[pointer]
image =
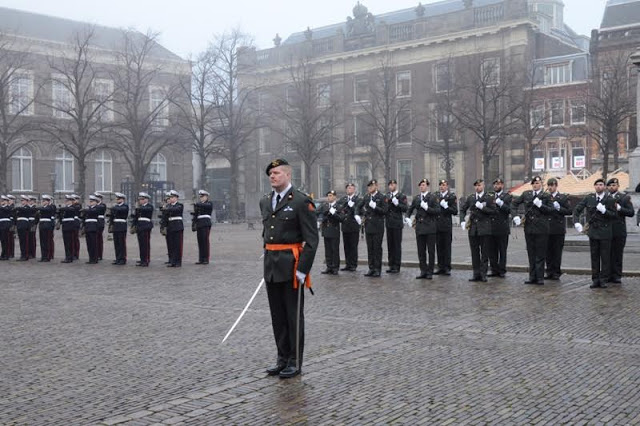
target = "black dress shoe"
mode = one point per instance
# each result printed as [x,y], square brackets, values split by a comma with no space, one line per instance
[289,372]
[142,264]
[22,259]
[428,277]
[615,281]
[92,262]
[276,369]
[167,263]
[421,276]
[493,274]
[534,282]
[389,271]
[375,274]
[393,271]
[369,273]
[474,279]
[483,279]
[334,272]
[202,263]
[502,275]
[345,269]
[326,271]
[66,261]
[439,272]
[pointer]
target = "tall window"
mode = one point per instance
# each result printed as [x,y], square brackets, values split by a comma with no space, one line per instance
[404,178]
[490,70]
[557,74]
[62,100]
[578,157]
[362,130]
[158,168]
[158,107]
[403,84]
[296,176]
[102,90]
[21,168]
[324,179]
[325,131]
[443,77]
[360,89]
[578,112]
[363,174]
[21,93]
[403,126]
[556,155]
[264,144]
[557,113]
[103,171]
[64,171]
[537,116]
[324,95]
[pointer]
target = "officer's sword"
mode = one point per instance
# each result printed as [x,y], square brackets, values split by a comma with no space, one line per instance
[243,311]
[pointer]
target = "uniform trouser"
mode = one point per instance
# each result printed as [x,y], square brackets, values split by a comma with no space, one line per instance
[167,241]
[91,239]
[479,245]
[69,241]
[374,251]
[46,244]
[100,243]
[332,253]
[144,244]
[283,304]
[555,246]
[4,241]
[120,246]
[76,244]
[426,243]
[32,244]
[203,243]
[600,259]
[617,252]
[537,252]
[394,247]
[12,244]
[174,241]
[498,253]
[23,239]
[350,242]
[443,247]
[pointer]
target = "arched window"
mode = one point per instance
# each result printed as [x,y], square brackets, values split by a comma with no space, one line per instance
[158,168]
[21,170]
[103,171]
[64,171]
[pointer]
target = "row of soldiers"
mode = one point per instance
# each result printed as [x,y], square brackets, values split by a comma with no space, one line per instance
[74,220]
[487,216]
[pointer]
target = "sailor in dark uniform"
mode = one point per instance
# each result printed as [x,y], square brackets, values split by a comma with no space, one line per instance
[557,229]
[118,225]
[11,248]
[600,215]
[90,223]
[76,232]
[102,209]
[23,226]
[482,207]
[394,222]
[202,216]
[33,225]
[290,235]
[330,227]
[373,208]
[500,230]
[624,209]
[350,227]
[175,229]
[47,222]
[67,215]
[444,237]
[427,209]
[143,225]
[6,222]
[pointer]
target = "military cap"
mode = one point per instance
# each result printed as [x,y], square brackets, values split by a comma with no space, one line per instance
[332,192]
[203,192]
[276,163]
[372,182]
[392,181]
[120,195]
[536,179]
[350,184]
[11,197]
[69,197]
[93,198]
[32,198]
[4,197]
[173,193]
[423,180]
[144,195]
[498,180]
[442,181]
[25,197]
[600,180]
[46,197]
[478,181]
[612,181]
[552,181]
[99,195]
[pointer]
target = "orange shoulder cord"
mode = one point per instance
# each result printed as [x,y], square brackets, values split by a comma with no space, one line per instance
[296,248]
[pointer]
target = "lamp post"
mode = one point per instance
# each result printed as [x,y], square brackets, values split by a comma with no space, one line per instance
[52,177]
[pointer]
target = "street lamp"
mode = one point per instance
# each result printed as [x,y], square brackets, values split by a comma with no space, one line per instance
[52,177]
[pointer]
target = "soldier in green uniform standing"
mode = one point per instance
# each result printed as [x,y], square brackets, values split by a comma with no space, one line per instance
[427,209]
[624,209]
[500,230]
[373,207]
[397,206]
[290,238]
[449,207]
[482,207]
[557,229]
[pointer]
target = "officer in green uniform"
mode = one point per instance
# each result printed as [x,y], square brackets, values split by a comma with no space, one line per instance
[600,214]
[500,230]
[331,218]
[427,209]
[557,229]
[397,206]
[373,208]
[448,208]
[624,209]
[482,207]
[290,236]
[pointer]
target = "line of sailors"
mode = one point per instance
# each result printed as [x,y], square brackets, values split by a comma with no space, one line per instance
[27,217]
[486,215]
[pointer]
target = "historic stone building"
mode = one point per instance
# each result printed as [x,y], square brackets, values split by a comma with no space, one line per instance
[41,165]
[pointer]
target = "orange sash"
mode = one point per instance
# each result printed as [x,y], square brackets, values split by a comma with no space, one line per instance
[296,248]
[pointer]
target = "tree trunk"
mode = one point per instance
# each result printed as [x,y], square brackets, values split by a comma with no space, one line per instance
[203,172]
[486,161]
[82,177]
[307,178]
[605,164]
[234,202]
[528,160]
[4,169]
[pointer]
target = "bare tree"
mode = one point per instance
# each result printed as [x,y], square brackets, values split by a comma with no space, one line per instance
[81,104]
[610,102]
[141,103]
[388,113]
[310,116]
[17,94]
[485,91]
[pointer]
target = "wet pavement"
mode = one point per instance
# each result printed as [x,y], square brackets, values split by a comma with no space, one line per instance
[85,344]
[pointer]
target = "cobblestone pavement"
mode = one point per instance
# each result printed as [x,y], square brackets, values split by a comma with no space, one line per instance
[86,344]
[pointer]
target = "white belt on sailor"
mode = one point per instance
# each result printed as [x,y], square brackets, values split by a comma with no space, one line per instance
[45,219]
[91,220]
[101,216]
[68,219]
[204,216]
[144,219]
[5,219]
[32,218]
[176,218]
[120,220]
[23,218]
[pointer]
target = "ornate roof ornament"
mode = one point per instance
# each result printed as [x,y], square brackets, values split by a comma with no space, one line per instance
[277,40]
[360,11]
[362,21]
[467,3]
[308,34]
[420,10]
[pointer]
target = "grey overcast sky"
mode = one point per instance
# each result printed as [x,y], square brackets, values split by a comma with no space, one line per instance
[187,25]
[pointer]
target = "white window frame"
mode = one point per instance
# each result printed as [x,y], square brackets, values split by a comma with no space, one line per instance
[158,165]
[578,104]
[22,157]
[400,177]
[410,133]
[61,97]
[495,67]
[437,77]
[403,76]
[322,191]
[63,157]
[552,108]
[158,106]
[541,109]
[105,111]
[264,137]
[558,74]
[103,162]
[323,94]
[16,102]
[358,142]
[356,93]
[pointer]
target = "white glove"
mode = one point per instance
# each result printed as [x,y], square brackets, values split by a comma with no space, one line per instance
[395,201]
[463,225]
[301,276]
[444,204]
[578,226]
[618,207]
[332,210]
[499,202]
[358,219]
[424,205]
[372,204]
[556,205]
[351,203]
[517,221]
[479,205]
[407,220]
[601,208]
[537,202]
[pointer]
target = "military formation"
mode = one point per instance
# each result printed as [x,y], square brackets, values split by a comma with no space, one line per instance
[25,218]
